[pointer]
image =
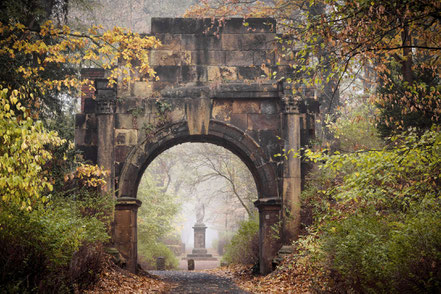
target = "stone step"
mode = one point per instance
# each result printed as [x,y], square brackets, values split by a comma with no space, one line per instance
[281,254]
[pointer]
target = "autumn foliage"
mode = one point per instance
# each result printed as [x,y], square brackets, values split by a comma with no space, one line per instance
[53,238]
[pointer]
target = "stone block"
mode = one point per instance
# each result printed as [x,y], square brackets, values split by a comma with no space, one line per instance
[312,105]
[168,73]
[180,25]
[161,85]
[283,57]
[118,168]
[193,73]
[253,134]
[80,121]
[273,145]
[102,84]
[231,134]
[221,73]
[169,57]
[162,25]
[246,106]
[142,89]
[266,57]
[249,25]
[222,110]
[270,188]
[239,120]
[239,58]
[89,152]
[250,72]
[170,41]
[124,91]
[269,170]
[212,26]
[257,42]
[126,187]
[258,159]
[269,107]
[200,42]
[178,112]
[187,26]
[92,73]
[148,105]
[86,137]
[105,93]
[91,121]
[89,105]
[263,121]
[126,105]
[143,126]
[204,57]
[120,138]
[121,152]
[126,137]
[282,72]
[231,42]
[124,121]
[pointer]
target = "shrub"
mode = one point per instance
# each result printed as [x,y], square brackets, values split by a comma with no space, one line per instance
[50,249]
[415,252]
[356,251]
[377,216]
[372,253]
[150,251]
[244,245]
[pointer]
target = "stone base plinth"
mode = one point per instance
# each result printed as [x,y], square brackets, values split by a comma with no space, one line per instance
[199,257]
[197,251]
[199,254]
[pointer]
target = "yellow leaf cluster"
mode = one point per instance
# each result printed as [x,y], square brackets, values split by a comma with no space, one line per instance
[52,45]
[88,175]
[23,153]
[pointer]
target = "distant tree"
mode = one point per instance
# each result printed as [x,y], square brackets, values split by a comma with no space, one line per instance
[210,175]
[156,219]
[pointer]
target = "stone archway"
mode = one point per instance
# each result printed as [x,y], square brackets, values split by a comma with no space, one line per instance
[221,134]
[209,90]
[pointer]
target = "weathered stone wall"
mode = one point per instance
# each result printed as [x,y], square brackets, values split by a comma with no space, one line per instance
[196,52]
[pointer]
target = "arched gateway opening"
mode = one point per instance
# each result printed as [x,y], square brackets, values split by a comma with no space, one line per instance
[220,134]
[194,198]
[210,89]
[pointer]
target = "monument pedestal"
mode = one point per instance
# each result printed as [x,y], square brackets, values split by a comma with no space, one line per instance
[199,251]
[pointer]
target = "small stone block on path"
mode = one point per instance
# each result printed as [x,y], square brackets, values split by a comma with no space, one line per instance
[160,263]
[190,264]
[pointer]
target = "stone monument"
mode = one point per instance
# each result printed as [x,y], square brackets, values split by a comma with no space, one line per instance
[199,251]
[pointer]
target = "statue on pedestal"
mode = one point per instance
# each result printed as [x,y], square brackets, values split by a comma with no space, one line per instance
[200,213]
[199,251]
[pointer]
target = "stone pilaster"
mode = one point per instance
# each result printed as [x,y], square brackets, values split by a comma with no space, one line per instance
[125,230]
[269,219]
[106,129]
[292,165]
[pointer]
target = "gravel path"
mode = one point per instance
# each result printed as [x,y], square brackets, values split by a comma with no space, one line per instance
[196,282]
